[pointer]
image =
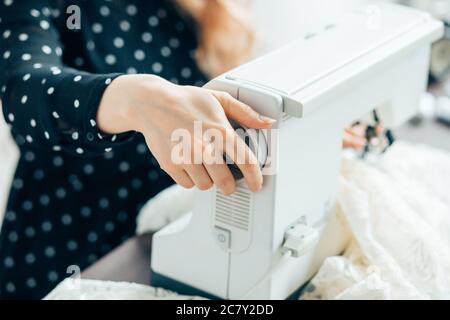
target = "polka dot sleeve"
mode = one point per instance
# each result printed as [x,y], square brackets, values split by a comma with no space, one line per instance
[44,101]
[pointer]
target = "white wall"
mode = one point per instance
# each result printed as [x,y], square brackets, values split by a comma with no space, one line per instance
[280,21]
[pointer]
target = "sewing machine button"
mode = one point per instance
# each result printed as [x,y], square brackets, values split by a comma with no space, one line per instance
[223,237]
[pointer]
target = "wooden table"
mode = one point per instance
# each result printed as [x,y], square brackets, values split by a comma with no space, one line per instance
[129,262]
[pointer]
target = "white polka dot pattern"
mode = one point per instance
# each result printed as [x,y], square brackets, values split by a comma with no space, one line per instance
[77,190]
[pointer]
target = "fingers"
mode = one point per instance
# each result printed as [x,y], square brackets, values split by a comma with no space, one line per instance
[355,136]
[219,172]
[222,177]
[213,172]
[357,130]
[199,176]
[182,178]
[353,141]
[242,113]
[243,157]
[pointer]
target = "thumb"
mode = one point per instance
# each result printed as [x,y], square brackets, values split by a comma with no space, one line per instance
[242,113]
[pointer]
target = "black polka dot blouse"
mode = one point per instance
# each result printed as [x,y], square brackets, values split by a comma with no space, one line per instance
[77,191]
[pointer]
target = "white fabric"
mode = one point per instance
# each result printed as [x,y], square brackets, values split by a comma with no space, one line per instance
[165,207]
[398,210]
[76,289]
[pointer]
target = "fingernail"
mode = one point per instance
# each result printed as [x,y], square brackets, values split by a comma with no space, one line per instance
[267,119]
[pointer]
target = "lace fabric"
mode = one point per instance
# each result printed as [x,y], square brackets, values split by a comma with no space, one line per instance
[84,289]
[398,210]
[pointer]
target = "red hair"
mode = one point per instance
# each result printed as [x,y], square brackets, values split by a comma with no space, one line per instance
[226,38]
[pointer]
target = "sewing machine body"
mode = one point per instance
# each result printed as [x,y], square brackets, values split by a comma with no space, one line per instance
[314,88]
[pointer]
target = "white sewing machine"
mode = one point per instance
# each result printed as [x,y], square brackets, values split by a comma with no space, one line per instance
[231,246]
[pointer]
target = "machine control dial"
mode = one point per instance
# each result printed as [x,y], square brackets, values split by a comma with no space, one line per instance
[256,141]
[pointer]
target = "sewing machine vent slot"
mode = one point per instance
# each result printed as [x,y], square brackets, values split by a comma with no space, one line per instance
[234,210]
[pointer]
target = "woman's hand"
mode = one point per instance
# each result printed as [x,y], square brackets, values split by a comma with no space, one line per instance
[355,136]
[157,108]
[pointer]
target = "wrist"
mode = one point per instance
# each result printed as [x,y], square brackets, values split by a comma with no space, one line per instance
[136,103]
[113,111]
[154,97]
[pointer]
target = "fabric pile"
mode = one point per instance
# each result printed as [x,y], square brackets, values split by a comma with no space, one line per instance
[398,210]
[84,289]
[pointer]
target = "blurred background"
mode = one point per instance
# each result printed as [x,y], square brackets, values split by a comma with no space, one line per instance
[278,22]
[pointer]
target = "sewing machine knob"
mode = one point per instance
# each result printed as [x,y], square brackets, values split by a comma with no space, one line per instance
[256,141]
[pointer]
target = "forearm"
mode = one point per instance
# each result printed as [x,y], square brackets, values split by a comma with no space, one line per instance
[54,107]
[47,103]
